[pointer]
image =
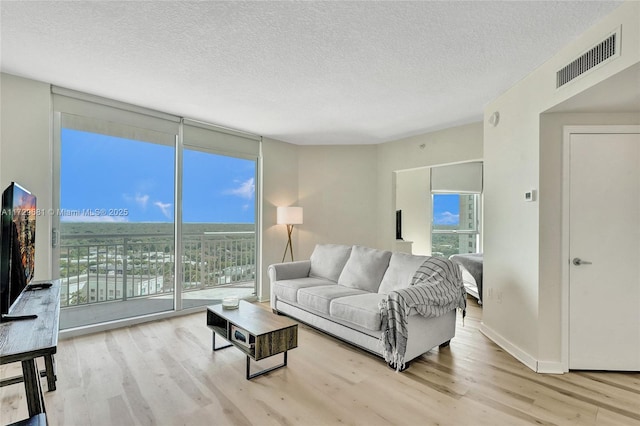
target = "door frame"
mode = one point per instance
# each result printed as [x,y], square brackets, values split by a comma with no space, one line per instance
[566,190]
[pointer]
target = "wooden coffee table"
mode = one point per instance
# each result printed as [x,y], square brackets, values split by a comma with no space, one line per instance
[255,331]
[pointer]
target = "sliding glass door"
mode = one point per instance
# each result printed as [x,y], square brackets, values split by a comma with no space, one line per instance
[154,213]
[116,227]
[218,227]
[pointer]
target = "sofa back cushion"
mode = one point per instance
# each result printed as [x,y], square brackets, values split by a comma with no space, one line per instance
[402,267]
[328,260]
[365,268]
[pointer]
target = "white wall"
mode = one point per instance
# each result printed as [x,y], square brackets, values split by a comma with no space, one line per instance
[413,197]
[519,312]
[280,188]
[337,188]
[453,145]
[25,112]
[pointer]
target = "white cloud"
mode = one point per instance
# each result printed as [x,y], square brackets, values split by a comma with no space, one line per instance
[142,200]
[245,190]
[94,219]
[165,208]
[139,199]
[447,218]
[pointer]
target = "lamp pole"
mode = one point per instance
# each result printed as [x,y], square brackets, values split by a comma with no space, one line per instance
[289,245]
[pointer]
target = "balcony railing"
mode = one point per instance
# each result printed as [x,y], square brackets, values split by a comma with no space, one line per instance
[116,267]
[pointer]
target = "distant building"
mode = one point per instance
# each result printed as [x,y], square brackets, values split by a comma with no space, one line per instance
[468,243]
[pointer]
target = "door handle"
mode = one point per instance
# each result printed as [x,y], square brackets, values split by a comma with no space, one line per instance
[577,261]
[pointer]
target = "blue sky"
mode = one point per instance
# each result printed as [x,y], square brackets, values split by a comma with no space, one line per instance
[124,180]
[446,209]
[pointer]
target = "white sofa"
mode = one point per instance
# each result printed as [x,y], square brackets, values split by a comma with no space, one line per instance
[338,291]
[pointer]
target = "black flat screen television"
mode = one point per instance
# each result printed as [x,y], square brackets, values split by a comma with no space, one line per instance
[18,245]
[398,224]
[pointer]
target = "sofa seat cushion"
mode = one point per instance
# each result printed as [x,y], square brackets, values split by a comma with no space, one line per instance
[365,268]
[319,298]
[402,268]
[327,261]
[360,309]
[287,290]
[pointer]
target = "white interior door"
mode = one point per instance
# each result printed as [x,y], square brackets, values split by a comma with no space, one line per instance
[604,249]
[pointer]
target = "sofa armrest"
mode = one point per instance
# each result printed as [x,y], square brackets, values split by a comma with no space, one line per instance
[289,270]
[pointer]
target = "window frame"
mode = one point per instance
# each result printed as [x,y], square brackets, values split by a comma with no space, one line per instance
[86,112]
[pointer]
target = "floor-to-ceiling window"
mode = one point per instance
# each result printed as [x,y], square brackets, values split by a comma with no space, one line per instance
[218,227]
[154,213]
[116,227]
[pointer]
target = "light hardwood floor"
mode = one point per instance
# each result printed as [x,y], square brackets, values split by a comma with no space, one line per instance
[164,373]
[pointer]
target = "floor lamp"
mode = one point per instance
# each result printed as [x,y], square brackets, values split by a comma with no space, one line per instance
[289,216]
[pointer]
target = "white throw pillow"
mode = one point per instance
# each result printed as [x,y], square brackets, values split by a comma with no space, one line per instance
[365,268]
[402,267]
[328,260]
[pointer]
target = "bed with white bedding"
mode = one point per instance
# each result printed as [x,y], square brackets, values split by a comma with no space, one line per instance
[471,267]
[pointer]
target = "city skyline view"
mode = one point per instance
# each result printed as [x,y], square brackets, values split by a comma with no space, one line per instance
[110,179]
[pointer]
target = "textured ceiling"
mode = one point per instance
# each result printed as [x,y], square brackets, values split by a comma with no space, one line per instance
[303,72]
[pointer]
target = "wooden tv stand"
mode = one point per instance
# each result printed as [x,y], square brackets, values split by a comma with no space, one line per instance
[25,340]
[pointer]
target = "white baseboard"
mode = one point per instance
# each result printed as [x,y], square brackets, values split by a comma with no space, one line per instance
[512,349]
[551,367]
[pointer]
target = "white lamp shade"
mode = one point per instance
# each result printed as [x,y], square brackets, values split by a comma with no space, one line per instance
[289,216]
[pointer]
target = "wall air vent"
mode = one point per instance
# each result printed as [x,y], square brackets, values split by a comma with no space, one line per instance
[606,49]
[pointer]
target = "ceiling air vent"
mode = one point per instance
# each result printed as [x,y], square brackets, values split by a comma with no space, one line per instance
[606,49]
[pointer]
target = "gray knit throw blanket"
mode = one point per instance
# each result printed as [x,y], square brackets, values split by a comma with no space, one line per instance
[435,289]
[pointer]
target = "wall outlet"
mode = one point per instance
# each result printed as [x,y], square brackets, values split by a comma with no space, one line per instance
[530,195]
